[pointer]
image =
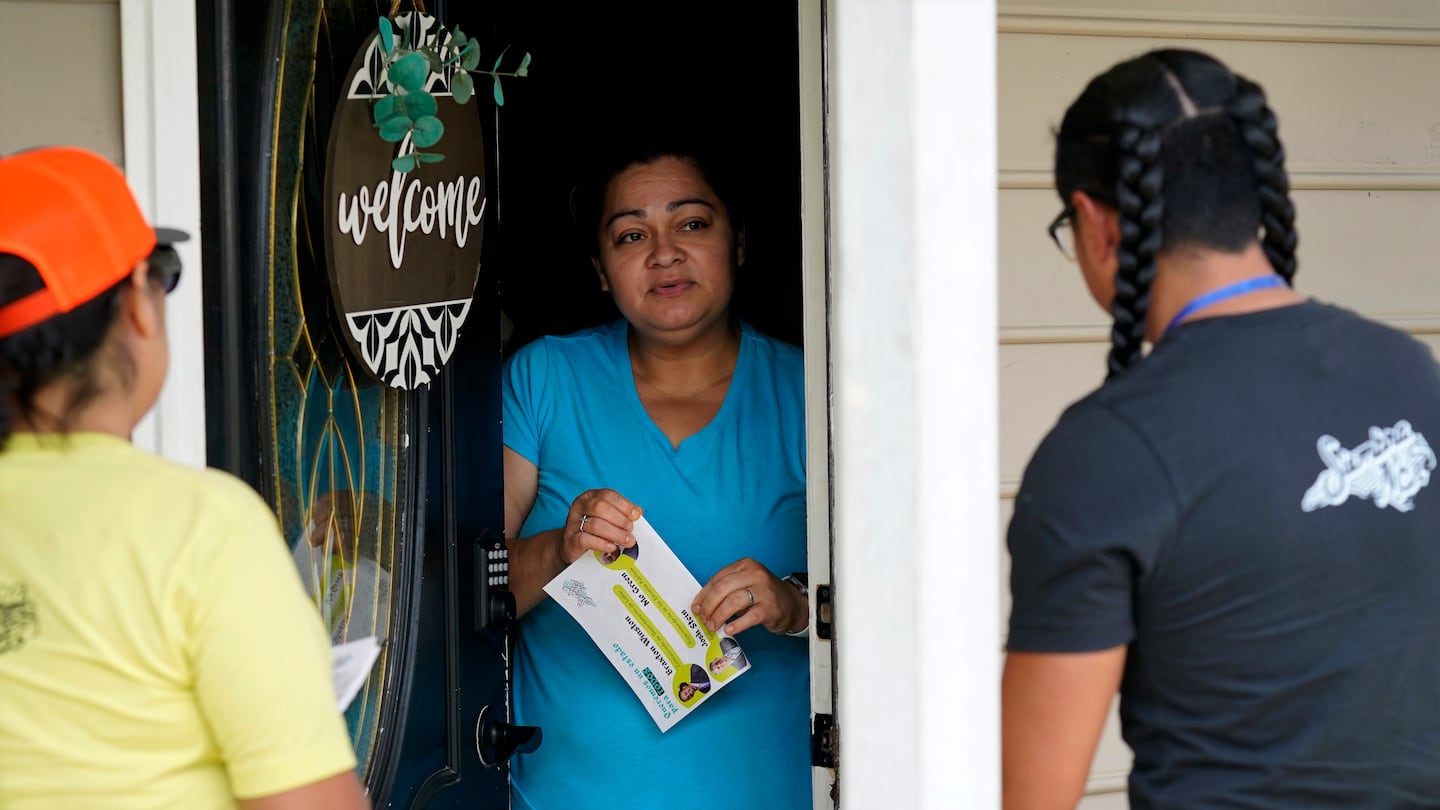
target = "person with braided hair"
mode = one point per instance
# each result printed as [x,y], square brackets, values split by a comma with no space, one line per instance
[1235,530]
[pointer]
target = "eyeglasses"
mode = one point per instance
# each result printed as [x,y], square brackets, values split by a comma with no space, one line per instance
[1062,231]
[165,268]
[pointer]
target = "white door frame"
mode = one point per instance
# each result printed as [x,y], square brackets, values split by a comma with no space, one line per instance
[162,162]
[913,332]
[813,223]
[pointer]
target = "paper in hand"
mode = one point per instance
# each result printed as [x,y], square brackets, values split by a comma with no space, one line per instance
[350,665]
[635,605]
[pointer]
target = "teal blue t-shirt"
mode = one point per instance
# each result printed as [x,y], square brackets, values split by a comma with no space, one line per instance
[735,489]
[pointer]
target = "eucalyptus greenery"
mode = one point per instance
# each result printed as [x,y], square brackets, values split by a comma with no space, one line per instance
[411,109]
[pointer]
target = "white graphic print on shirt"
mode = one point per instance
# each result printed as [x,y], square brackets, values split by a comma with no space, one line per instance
[1388,469]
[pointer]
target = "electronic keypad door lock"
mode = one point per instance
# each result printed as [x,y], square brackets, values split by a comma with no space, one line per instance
[494,602]
[496,740]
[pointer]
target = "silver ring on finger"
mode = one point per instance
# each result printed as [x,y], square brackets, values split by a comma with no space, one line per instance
[752,597]
[581,527]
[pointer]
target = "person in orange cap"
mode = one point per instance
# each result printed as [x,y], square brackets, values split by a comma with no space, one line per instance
[156,646]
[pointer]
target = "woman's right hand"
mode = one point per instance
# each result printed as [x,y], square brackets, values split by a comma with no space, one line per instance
[599,520]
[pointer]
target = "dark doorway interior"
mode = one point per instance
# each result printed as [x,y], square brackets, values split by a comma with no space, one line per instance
[728,71]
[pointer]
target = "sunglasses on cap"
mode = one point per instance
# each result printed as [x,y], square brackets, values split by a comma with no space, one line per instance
[165,268]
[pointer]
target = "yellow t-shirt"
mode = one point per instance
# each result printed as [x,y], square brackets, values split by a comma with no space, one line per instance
[157,649]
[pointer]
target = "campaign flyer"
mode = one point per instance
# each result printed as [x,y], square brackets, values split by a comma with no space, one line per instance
[635,604]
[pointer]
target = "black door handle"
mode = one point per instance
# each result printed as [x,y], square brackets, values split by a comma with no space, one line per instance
[496,740]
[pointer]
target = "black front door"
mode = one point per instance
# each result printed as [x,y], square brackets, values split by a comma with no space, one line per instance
[389,499]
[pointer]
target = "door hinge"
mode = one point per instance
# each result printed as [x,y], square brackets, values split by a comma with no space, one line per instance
[824,742]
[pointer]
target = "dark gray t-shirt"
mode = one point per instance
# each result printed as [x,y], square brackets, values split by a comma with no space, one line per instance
[1249,510]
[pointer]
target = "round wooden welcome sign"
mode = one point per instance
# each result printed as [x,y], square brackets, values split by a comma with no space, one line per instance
[403,247]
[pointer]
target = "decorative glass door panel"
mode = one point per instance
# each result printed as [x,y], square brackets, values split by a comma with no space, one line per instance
[362,487]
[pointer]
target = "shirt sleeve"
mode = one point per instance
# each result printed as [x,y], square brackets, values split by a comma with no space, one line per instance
[1094,510]
[522,399]
[261,659]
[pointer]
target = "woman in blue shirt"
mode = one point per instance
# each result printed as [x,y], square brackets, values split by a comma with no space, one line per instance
[683,413]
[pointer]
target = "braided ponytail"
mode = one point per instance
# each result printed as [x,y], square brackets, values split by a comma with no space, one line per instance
[1141,208]
[1187,153]
[1259,129]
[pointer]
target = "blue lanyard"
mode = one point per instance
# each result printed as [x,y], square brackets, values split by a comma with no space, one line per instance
[1213,297]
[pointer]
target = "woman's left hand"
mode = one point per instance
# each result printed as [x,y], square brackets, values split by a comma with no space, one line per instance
[747,590]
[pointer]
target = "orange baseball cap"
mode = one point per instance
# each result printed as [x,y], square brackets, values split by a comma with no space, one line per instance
[69,212]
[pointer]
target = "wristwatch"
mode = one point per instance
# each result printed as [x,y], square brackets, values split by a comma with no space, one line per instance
[800,582]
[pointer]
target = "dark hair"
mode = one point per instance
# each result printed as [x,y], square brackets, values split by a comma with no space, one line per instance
[1187,153]
[64,346]
[588,197]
